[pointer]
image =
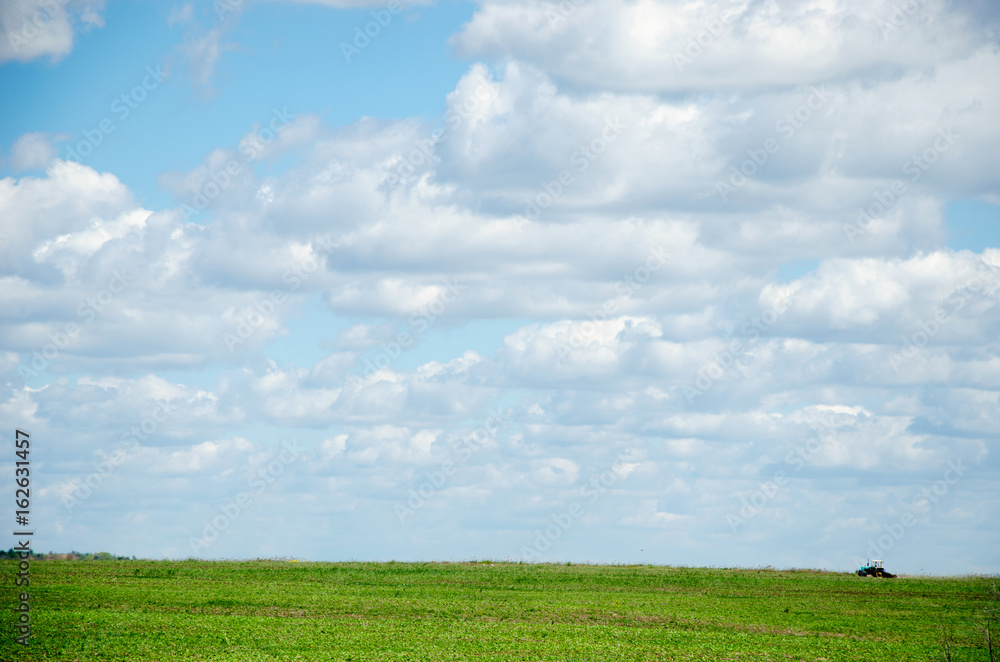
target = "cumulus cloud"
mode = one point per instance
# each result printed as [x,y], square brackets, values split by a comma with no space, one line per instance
[36,28]
[659,46]
[627,214]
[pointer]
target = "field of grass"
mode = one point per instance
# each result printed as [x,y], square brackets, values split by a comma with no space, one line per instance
[275,610]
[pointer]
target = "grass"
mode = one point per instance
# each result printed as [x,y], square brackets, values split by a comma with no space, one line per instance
[275,610]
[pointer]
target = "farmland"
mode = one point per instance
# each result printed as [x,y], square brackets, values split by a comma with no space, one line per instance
[278,610]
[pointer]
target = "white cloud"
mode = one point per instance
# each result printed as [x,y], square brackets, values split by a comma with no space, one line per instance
[36,28]
[66,200]
[33,150]
[661,46]
[203,54]
[181,14]
[634,284]
[896,296]
[649,516]
[554,471]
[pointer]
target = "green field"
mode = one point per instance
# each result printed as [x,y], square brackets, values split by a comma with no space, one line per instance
[275,610]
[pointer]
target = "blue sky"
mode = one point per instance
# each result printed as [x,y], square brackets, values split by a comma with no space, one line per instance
[586,281]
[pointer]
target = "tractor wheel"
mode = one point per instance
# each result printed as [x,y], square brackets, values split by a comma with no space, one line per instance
[878,573]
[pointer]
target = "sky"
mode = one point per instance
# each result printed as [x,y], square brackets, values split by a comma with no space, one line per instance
[685,283]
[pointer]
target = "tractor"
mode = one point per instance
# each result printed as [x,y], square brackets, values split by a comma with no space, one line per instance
[875,569]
